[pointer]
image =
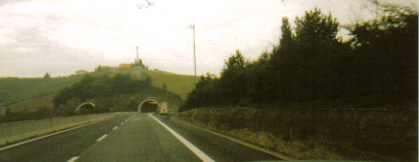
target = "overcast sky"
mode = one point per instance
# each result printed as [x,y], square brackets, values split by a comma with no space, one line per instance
[63,36]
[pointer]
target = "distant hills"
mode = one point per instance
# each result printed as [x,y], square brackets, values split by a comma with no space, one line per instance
[27,94]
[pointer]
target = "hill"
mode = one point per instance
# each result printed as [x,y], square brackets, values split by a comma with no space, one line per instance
[13,90]
[176,83]
[24,94]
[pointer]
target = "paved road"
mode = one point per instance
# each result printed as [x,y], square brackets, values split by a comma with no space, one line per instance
[141,137]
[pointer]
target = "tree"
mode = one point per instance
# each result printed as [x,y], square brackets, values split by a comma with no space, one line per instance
[99,68]
[386,50]
[305,63]
[316,28]
[164,86]
[260,83]
[47,76]
[140,64]
[287,34]
[235,63]
[283,63]
[205,93]
[232,78]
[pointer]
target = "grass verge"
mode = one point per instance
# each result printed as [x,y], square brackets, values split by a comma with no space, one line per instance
[327,134]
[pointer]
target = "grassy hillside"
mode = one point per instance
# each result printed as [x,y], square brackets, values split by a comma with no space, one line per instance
[29,94]
[178,84]
[33,104]
[13,90]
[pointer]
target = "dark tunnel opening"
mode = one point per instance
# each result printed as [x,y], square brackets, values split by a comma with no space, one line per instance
[86,108]
[148,106]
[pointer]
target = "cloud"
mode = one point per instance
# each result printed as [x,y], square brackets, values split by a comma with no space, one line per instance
[63,36]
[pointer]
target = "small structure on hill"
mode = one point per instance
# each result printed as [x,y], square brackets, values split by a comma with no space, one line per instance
[81,72]
[125,65]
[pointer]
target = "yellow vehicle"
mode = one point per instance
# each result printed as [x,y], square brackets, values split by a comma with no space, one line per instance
[162,109]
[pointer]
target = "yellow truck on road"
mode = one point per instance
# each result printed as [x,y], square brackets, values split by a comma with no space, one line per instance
[162,109]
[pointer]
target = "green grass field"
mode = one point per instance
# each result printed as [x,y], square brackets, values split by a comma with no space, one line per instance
[13,90]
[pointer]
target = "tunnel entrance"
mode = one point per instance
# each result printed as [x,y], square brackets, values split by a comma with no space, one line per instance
[85,108]
[148,106]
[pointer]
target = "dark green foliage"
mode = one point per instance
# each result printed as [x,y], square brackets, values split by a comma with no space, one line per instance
[8,111]
[164,86]
[140,64]
[315,28]
[259,78]
[377,67]
[232,81]
[47,76]
[118,93]
[206,92]
[99,87]
[386,50]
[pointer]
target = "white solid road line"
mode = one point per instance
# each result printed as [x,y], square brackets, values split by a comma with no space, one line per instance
[45,136]
[191,147]
[256,147]
[116,127]
[73,159]
[101,138]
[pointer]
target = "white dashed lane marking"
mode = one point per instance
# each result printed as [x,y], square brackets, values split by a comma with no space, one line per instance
[101,138]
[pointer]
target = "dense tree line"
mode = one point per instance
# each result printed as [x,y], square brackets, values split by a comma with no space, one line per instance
[377,66]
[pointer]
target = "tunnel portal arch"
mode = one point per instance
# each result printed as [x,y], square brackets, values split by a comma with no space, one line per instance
[148,105]
[86,106]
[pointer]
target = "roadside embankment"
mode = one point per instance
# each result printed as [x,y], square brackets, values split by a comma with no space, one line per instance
[328,134]
[20,130]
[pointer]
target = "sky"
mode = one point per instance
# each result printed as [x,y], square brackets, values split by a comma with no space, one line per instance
[63,36]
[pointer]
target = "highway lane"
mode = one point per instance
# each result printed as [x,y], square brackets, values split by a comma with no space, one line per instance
[61,147]
[144,139]
[135,138]
[139,139]
[218,148]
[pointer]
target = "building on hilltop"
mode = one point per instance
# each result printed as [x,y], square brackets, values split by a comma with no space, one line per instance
[81,72]
[137,65]
[126,65]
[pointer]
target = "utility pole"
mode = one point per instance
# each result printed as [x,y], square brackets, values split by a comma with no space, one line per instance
[192,26]
[136,61]
[376,9]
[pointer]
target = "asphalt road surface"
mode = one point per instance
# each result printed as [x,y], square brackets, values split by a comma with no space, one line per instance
[142,137]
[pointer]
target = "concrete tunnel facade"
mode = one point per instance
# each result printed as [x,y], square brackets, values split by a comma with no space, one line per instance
[149,105]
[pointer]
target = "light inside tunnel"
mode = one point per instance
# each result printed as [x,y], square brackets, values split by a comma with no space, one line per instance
[148,106]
